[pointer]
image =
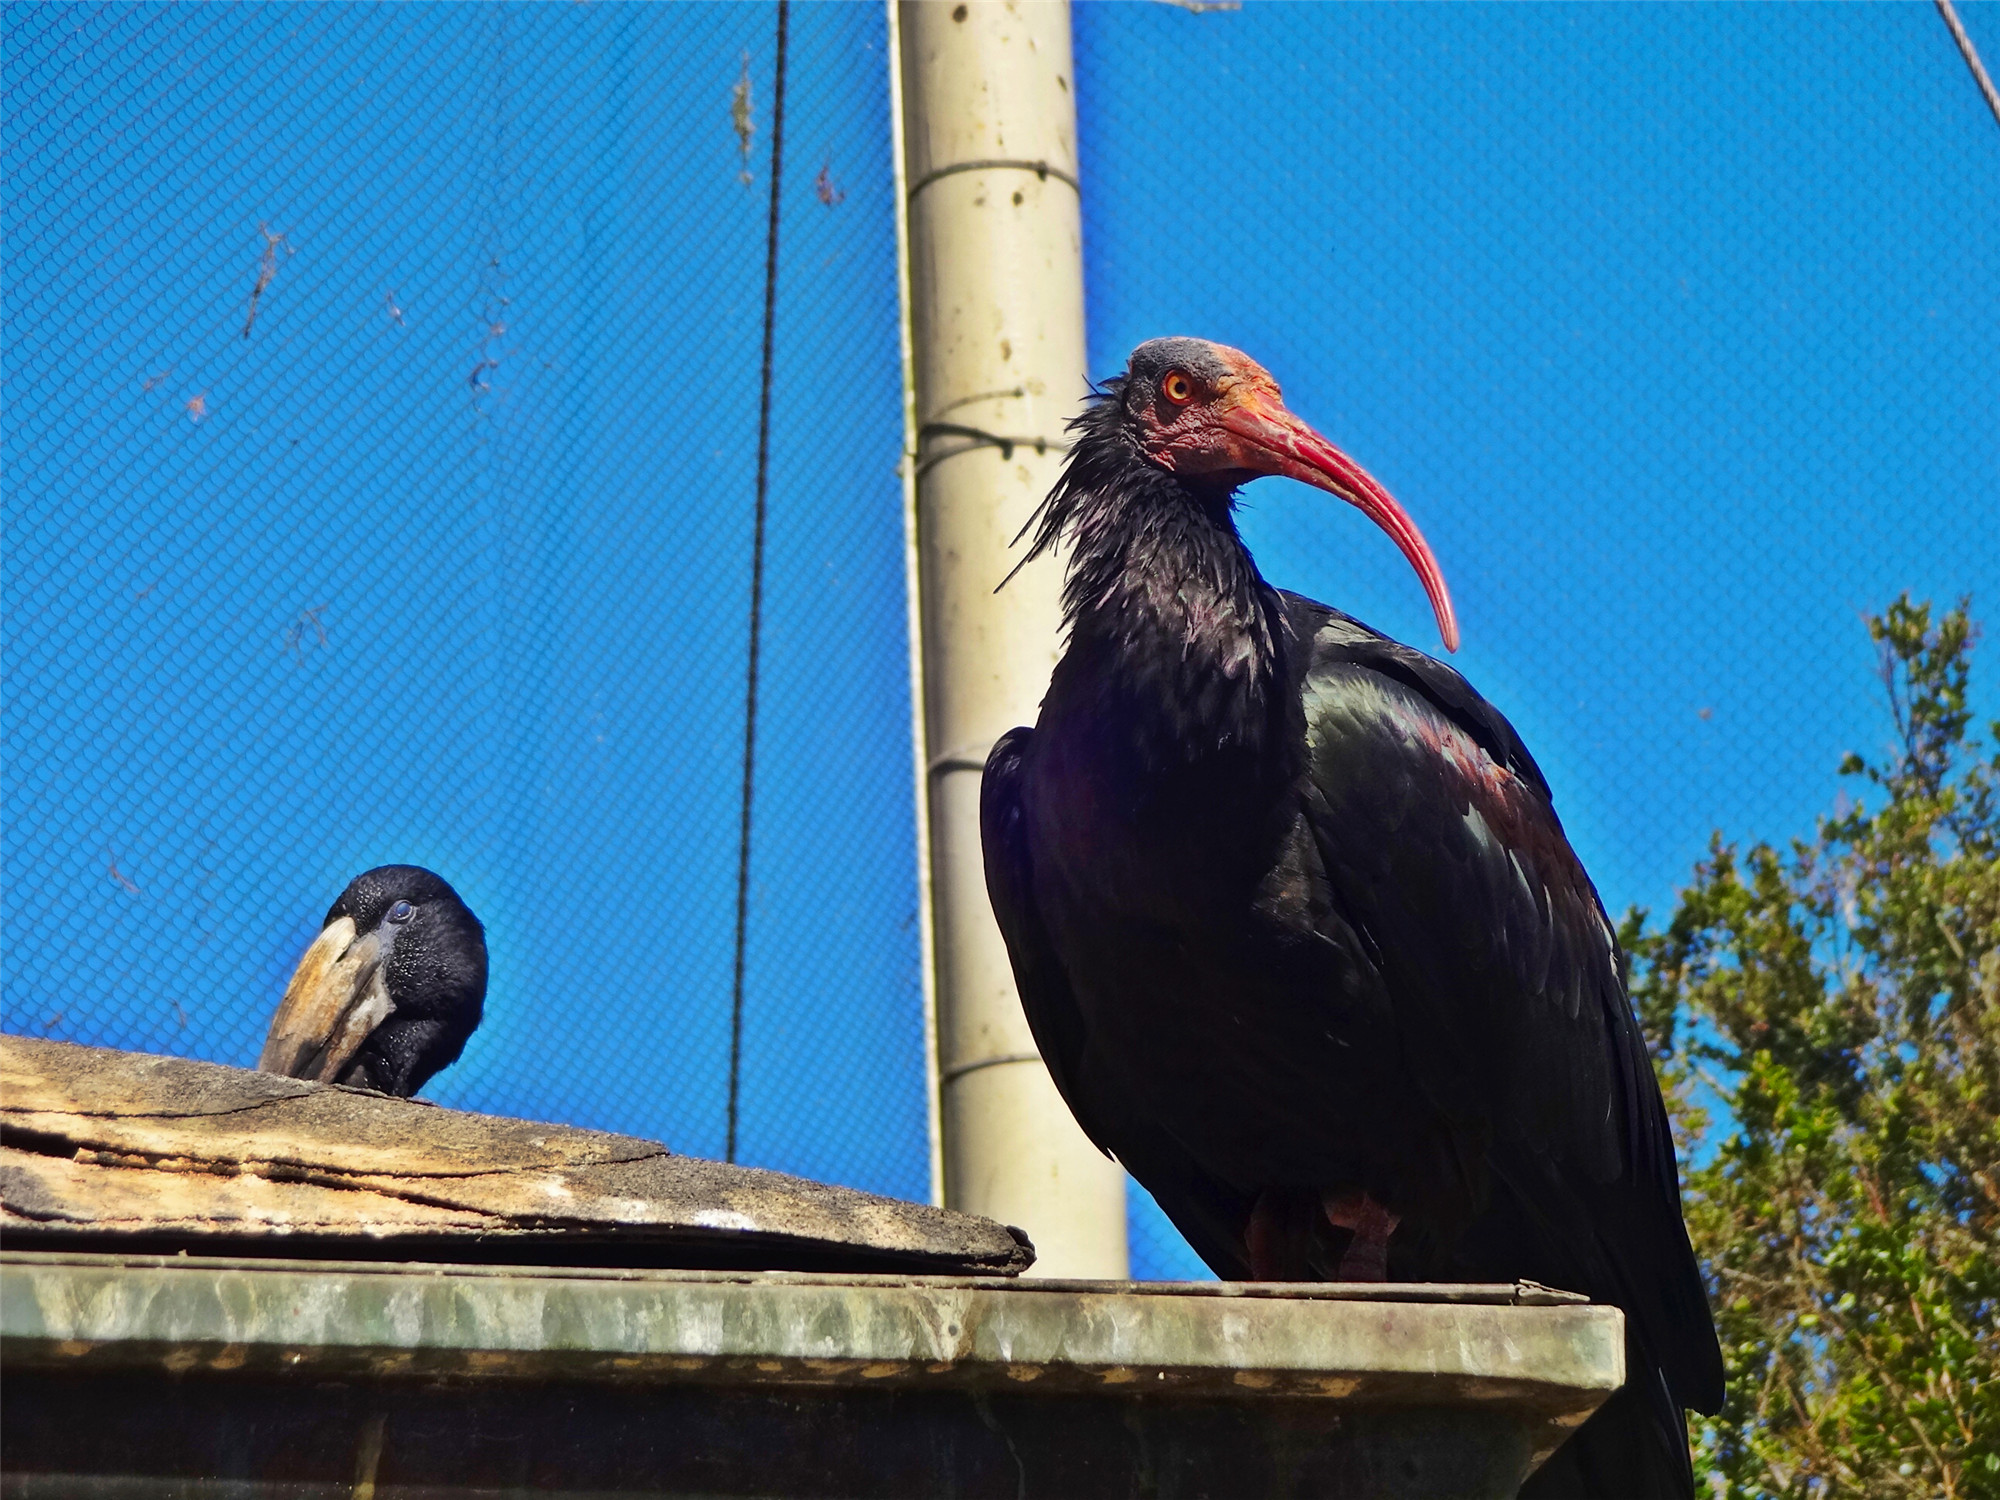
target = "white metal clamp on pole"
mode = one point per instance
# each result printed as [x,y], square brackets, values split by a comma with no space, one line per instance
[993,299]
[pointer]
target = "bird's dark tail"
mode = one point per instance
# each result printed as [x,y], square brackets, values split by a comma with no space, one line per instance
[1634,1447]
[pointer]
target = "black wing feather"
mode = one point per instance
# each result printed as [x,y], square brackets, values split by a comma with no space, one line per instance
[1444,861]
[1209,1213]
[1440,840]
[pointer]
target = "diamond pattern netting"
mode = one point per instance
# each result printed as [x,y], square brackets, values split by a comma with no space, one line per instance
[447,560]
[1673,328]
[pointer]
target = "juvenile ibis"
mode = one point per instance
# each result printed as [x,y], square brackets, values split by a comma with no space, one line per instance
[1297,928]
[388,992]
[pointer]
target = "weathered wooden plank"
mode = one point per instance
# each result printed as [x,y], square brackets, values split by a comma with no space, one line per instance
[100,1144]
[49,1192]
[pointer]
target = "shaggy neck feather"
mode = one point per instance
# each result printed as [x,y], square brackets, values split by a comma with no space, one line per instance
[1163,601]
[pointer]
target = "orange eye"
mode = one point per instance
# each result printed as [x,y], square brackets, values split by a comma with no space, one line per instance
[1177,388]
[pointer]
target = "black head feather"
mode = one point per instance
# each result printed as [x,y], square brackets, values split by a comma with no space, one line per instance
[1128,520]
[435,974]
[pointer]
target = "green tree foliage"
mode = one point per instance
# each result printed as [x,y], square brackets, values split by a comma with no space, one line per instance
[1827,1022]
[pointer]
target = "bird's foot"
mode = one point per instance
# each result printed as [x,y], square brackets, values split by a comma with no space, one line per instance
[1367,1254]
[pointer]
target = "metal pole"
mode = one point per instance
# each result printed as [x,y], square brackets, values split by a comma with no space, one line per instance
[913,591]
[994,293]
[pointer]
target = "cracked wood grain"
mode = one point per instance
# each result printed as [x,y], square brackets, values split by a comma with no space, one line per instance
[117,1144]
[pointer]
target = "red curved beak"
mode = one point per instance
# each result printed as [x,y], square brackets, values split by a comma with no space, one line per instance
[1273,441]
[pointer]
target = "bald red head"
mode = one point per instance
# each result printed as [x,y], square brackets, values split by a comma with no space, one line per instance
[1206,410]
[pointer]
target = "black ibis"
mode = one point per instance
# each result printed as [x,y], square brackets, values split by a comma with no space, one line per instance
[1299,933]
[388,992]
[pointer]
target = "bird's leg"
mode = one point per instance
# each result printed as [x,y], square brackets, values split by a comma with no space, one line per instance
[1367,1254]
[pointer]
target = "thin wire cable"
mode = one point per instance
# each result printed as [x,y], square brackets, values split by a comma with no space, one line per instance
[757,585]
[1971,55]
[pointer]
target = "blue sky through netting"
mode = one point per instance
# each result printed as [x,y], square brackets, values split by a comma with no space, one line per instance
[448,561]
[1675,328]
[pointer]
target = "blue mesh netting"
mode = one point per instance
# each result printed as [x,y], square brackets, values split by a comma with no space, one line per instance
[448,561]
[1674,328]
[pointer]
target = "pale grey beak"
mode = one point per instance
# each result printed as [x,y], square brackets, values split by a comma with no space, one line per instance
[337,996]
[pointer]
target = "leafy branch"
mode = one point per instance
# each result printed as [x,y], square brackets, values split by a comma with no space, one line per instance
[1827,1020]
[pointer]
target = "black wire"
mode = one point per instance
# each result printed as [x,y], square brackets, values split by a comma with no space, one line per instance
[757,584]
